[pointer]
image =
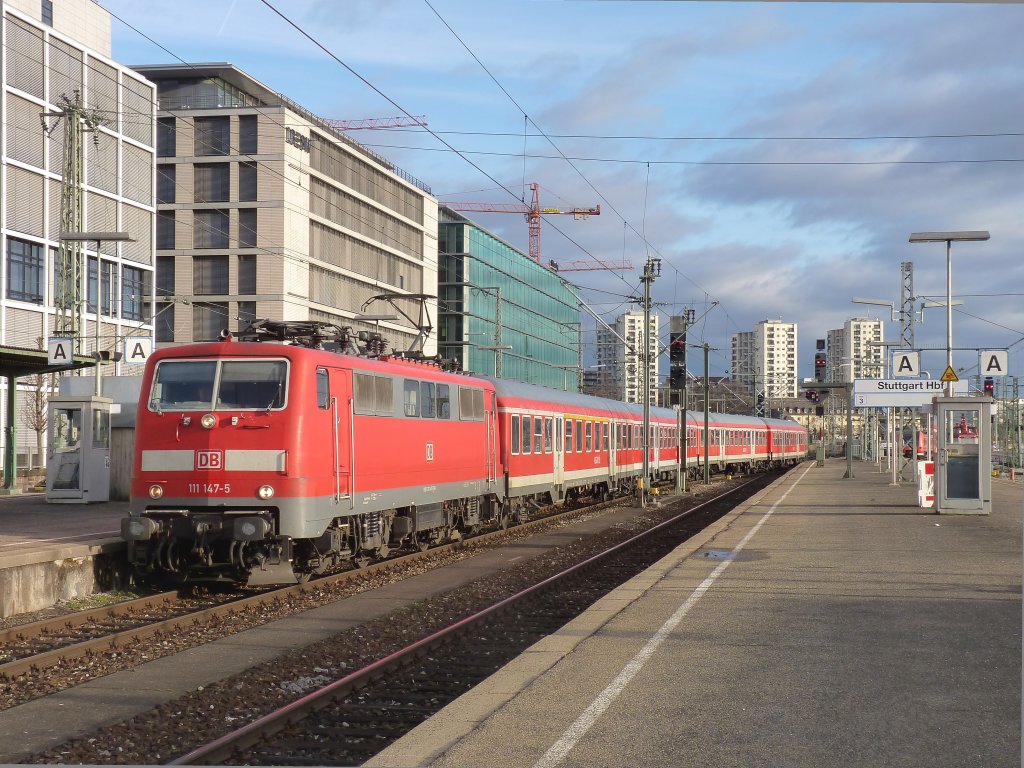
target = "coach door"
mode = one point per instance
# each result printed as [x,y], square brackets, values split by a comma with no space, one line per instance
[613,441]
[655,445]
[491,418]
[559,454]
[335,393]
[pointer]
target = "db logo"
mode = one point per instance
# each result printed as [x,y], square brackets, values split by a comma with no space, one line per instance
[209,459]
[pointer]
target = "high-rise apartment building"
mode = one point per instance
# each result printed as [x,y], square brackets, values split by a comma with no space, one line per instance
[855,351]
[620,357]
[764,360]
[744,359]
[56,56]
[267,211]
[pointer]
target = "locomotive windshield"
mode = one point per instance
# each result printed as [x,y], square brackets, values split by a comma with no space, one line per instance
[191,385]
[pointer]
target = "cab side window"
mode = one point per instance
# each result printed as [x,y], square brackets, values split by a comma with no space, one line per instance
[412,398]
[323,390]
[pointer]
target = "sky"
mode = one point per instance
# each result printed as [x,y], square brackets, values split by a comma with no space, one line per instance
[774,156]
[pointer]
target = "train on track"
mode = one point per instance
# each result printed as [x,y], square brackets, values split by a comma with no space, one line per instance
[267,462]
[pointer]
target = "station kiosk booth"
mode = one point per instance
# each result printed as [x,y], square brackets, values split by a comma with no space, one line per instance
[78,466]
[963,468]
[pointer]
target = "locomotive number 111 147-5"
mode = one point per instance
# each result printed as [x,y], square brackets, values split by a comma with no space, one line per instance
[209,487]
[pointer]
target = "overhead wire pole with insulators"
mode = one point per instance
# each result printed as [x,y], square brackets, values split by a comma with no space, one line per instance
[652,268]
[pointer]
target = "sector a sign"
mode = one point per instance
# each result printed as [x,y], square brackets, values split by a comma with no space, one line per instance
[906,364]
[993,362]
[59,351]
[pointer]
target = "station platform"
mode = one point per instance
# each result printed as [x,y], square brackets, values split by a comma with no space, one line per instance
[827,621]
[57,552]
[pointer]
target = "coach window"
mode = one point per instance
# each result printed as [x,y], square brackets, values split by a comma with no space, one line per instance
[515,435]
[444,403]
[427,399]
[579,437]
[604,433]
[323,391]
[547,435]
[527,434]
[538,434]
[590,436]
[568,435]
[412,395]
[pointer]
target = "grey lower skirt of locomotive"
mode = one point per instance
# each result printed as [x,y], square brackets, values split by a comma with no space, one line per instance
[244,546]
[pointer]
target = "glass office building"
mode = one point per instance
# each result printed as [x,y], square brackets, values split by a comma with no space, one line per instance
[500,312]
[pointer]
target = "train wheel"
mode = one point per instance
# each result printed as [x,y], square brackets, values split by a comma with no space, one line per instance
[422,545]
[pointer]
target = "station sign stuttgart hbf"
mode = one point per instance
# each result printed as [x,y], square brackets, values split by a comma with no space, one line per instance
[900,393]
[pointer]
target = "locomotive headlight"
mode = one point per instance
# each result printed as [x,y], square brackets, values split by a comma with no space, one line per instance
[208,421]
[265,492]
[156,491]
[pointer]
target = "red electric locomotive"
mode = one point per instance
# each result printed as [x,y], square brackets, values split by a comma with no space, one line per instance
[273,461]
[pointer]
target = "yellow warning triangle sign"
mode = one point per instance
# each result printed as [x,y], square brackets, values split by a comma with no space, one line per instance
[949,375]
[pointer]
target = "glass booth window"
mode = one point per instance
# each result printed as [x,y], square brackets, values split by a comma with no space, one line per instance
[100,429]
[67,430]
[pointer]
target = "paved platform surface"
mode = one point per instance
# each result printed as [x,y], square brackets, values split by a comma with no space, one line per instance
[32,530]
[827,622]
[57,552]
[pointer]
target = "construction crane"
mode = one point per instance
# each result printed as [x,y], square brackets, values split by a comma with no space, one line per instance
[376,122]
[533,212]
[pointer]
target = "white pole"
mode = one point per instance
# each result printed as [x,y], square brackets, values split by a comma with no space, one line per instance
[949,313]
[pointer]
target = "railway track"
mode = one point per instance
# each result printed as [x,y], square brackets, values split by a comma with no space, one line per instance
[348,721]
[29,650]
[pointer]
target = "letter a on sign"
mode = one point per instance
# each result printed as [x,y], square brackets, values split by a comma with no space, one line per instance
[58,351]
[137,349]
[994,362]
[906,364]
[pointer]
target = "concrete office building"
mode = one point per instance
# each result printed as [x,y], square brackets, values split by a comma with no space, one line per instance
[269,211]
[55,54]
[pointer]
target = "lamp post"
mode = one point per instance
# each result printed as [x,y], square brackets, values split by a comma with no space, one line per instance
[948,238]
[98,238]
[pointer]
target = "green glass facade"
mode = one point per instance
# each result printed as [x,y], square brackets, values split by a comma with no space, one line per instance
[492,295]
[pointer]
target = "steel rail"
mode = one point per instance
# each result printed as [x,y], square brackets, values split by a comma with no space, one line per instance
[54,624]
[252,733]
[116,640]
